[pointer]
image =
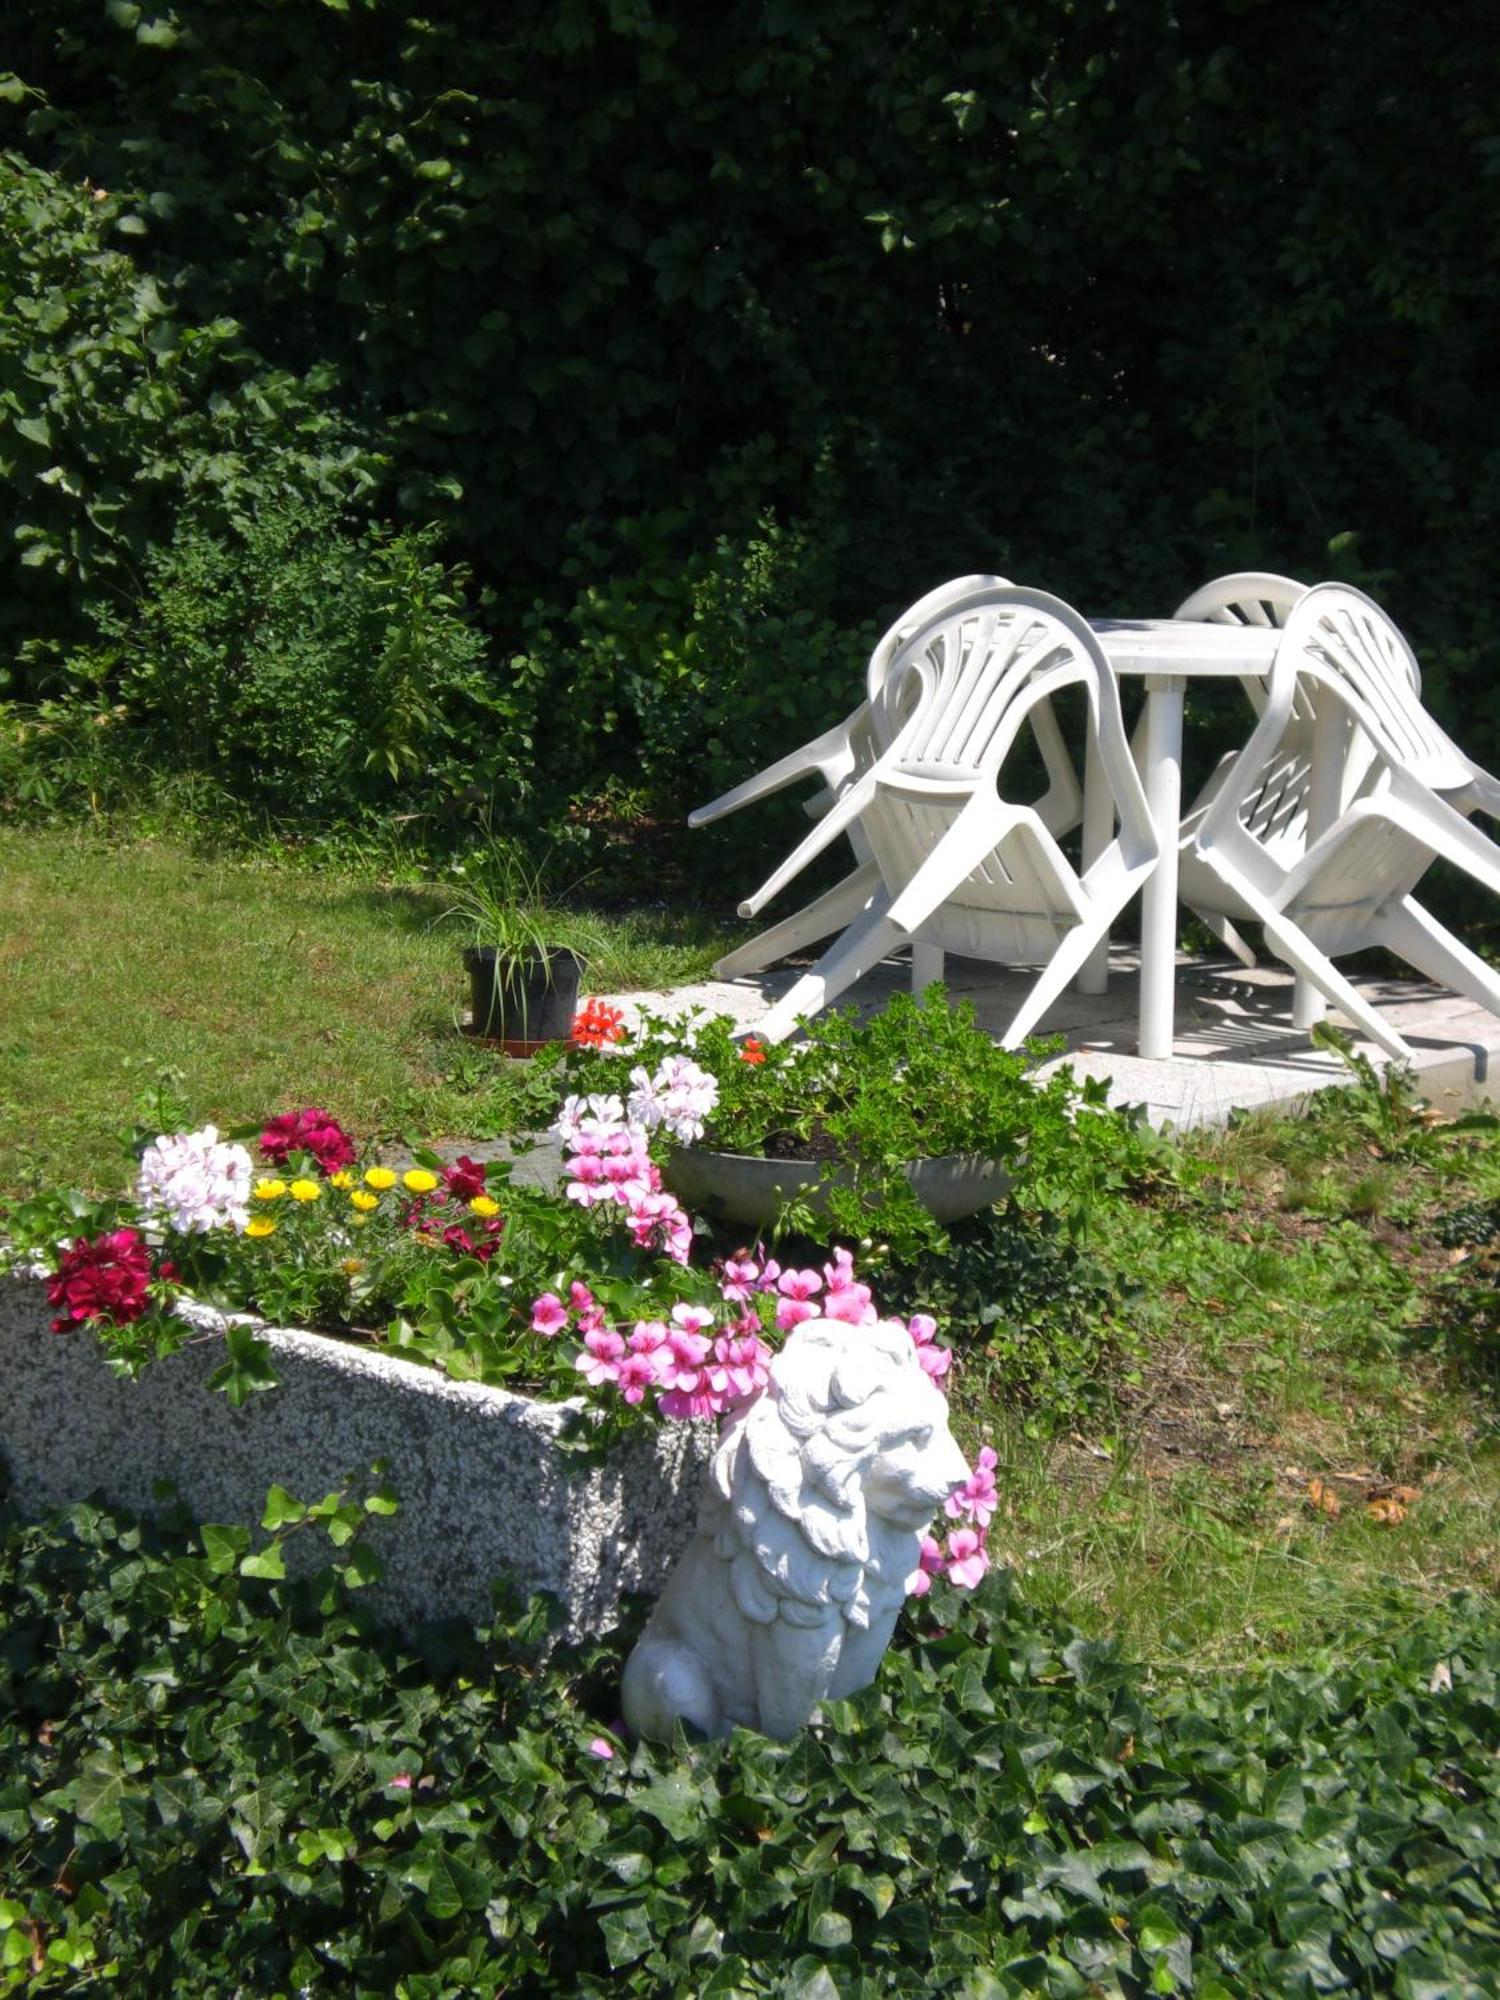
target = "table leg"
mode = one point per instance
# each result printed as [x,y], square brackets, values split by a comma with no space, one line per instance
[1163,758]
[1324,803]
[1098,832]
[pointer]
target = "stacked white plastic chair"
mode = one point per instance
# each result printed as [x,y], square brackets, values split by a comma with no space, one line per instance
[844,753]
[1351,885]
[960,867]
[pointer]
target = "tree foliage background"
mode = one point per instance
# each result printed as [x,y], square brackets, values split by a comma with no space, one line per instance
[691,342]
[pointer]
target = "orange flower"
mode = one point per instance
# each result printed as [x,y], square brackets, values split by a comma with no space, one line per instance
[752,1050]
[598,1024]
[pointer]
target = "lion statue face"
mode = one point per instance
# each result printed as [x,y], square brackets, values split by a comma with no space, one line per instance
[811,1523]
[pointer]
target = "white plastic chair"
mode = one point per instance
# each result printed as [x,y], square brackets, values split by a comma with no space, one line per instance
[1278,810]
[960,868]
[1352,886]
[842,754]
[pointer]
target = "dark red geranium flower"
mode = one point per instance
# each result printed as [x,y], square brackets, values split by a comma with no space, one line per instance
[598,1024]
[104,1279]
[465,1178]
[311,1131]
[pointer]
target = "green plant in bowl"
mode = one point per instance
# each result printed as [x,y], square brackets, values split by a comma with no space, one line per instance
[885,1129]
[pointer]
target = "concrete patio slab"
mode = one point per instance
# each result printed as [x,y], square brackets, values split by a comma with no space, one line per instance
[1235,1046]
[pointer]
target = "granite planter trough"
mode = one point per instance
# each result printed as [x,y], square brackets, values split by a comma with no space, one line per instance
[484,1489]
[747,1187]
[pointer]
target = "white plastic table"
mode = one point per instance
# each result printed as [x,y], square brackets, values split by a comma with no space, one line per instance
[1168,653]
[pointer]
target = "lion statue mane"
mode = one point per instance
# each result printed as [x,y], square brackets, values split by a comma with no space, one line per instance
[812,1517]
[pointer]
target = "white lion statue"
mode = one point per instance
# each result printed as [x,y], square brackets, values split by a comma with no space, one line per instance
[811,1522]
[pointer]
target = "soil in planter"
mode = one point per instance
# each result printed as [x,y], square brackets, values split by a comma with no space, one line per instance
[819,1144]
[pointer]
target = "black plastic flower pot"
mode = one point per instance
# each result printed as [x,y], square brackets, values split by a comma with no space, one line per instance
[531,997]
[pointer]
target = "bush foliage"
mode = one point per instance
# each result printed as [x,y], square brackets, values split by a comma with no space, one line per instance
[709,336]
[214,1779]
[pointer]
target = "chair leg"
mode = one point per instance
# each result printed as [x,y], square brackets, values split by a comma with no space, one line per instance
[868,940]
[1292,944]
[1227,935]
[926,967]
[827,913]
[1063,966]
[1416,935]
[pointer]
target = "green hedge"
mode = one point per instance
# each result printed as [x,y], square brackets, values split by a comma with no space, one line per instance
[1108,299]
[212,1780]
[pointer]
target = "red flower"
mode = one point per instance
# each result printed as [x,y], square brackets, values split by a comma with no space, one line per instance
[105,1279]
[312,1131]
[752,1050]
[598,1024]
[464,1179]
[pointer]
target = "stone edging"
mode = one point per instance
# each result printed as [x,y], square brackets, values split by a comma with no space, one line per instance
[483,1489]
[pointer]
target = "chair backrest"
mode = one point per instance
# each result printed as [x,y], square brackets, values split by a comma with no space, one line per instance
[1247,597]
[946,597]
[980,669]
[1340,640]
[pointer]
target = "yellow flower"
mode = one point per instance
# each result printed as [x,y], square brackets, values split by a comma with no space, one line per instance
[419,1180]
[351,1267]
[260,1225]
[379,1177]
[342,1179]
[305,1191]
[484,1204]
[364,1202]
[269,1190]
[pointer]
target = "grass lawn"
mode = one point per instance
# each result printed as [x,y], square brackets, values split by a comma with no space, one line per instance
[261,986]
[1293,1305]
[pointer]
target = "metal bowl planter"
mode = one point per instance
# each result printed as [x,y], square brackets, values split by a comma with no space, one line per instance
[747,1187]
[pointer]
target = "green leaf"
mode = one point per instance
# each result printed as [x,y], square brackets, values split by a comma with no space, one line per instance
[453,1886]
[627,1934]
[101,1788]
[676,1802]
[267,1563]
[831,1930]
[282,1510]
[223,1545]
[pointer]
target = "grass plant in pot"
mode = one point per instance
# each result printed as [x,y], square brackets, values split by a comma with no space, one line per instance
[523,977]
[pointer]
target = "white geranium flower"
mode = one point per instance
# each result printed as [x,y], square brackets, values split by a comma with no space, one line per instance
[194,1182]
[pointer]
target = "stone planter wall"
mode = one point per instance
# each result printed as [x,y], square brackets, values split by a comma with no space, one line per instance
[484,1490]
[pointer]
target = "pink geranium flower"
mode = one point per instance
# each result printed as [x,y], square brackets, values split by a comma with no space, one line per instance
[978,1497]
[737,1280]
[929,1565]
[968,1559]
[799,1284]
[600,1361]
[548,1314]
[634,1375]
[935,1362]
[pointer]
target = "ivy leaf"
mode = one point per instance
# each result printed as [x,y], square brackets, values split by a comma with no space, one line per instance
[223,1545]
[676,1802]
[627,1934]
[100,1790]
[267,1563]
[282,1510]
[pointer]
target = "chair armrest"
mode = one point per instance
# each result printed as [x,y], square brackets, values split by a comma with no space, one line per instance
[830,757]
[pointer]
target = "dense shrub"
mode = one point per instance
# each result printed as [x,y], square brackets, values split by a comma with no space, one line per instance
[212,1780]
[1108,299]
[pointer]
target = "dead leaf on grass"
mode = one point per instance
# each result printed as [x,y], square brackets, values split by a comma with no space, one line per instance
[1322,1498]
[1389,1513]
